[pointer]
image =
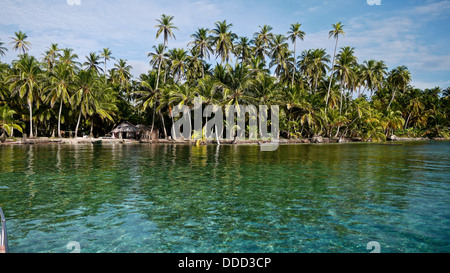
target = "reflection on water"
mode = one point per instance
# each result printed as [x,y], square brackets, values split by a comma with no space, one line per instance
[179,198]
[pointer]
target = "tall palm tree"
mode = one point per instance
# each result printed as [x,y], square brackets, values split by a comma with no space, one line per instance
[87,84]
[106,54]
[263,38]
[295,33]
[222,39]
[178,63]
[93,63]
[2,49]
[122,72]
[61,83]
[318,61]
[242,49]
[279,53]
[26,83]
[345,69]
[50,56]
[338,29]
[165,27]
[19,42]
[398,80]
[69,58]
[202,44]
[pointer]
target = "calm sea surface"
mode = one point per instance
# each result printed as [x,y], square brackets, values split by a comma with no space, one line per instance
[180,198]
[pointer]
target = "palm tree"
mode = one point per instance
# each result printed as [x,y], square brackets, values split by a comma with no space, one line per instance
[202,44]
[26,83]
[59,89]
[222,39]
[338,29]
[178,59]
[263,38]
[19,43]
[195,67]
[295,33]
[87,84]
[165,27]
[345,68]
[122,72]
[398,79]
[106,54]
[318,62]
[69,58]
[280,53]
[51,55]
[2,49]
[242,49]
[7,121]
[93,63]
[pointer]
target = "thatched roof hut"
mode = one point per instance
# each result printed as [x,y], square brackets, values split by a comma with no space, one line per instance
[145,132]
[125,130]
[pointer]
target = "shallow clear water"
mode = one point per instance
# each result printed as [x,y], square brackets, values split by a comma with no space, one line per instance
[179,198]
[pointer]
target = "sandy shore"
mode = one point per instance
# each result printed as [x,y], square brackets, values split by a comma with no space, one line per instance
[79,140]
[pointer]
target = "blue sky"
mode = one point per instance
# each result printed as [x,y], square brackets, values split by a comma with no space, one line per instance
[410,32]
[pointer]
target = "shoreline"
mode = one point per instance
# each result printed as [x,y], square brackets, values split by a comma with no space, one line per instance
[313,140]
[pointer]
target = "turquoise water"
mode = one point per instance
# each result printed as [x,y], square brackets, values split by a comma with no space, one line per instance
[179,198]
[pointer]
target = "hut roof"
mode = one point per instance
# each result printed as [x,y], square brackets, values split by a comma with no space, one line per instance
[143,127]
[125,127]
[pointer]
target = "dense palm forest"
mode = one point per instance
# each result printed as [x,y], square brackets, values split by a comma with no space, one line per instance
[331,95]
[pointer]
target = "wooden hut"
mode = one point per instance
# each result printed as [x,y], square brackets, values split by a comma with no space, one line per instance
[125,130]
[145,132]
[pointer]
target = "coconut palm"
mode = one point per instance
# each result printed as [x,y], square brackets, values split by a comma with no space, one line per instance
[19,42]
[338,29]
[69,58]
[398,80]
[106,54]
[7,121]
[2,49]
[264,38]
[51,55]
[26,83]
[178,58]
[279,53]
[242,49]
[93,63]
[202,44]
[60,88]
[222,40]
[195,67]
[295,33]
[123,72]
[166,28]
[318,60]
[345,69]
[87,85]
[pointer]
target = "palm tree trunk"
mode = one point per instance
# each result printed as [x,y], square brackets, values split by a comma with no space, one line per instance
[392,99]
[407,120]
[78,123]
[164,125]
[59,118]
[340,105]
[92,127]
[293,72]
[331,77]
[153,119]
[30,106]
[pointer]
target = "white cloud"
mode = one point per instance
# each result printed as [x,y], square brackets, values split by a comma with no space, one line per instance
[74,2]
